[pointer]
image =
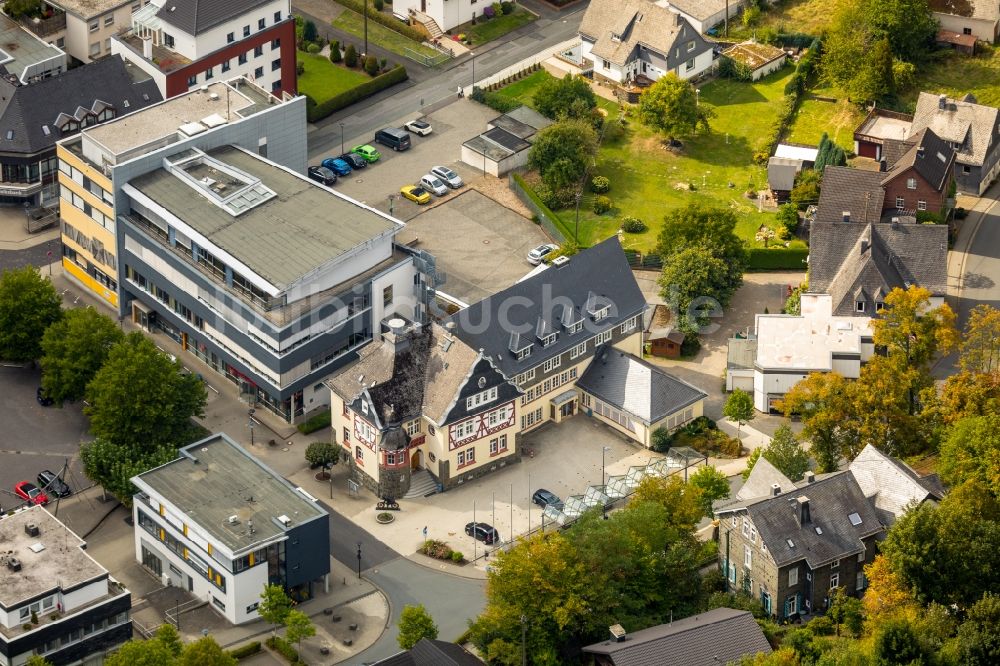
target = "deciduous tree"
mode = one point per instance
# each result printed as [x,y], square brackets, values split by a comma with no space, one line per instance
[204,652]
[786,453]
[29,304]
[274,606]
[887,594]
[298,626]
[682,502]
[980,344]
[739,408]
[112,466]
[692,274]
[822,401]
[141,653]
[671,106]
[562,152]
[168,635]
[972,452]
[713,485]
[415,623]
[979,635]
[73,350]
[568,97]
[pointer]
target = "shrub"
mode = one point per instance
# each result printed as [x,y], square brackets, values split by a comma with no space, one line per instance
[300,68]
[961,213]
[600,184]
[633,225]
[602,204]
[319,454]
[436,549]
[457,557]
[316,111]
[928,217]
[309,31]
[382,64]
[335,55]
[379,5]
[821,626]
[313,48]
[318,422]
[508,7]
[284,648]
[371,65]
[245,651]
[495,101]
[489,12]
[387,20]
[351,56]
[661,440]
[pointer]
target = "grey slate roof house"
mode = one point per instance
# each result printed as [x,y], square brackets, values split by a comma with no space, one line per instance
[798,543]
[628,39]
[718,636]
[859,264]
[972,129]
[429,652]
[891,485]
[34,117]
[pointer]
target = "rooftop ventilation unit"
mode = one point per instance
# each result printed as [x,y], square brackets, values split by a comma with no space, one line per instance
[31,529]
[284,520]
[560,261]
[13,564]
[233,519]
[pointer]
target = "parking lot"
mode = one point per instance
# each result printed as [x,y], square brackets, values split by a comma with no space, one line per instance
[35,437]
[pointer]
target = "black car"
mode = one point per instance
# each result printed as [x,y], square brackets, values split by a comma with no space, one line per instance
[52,484]
[543,498]
[482,532]
[322,175]
[355,160]
[43,399]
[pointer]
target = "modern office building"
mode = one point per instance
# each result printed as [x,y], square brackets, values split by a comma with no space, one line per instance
[55,600]
[183,44]
[34,115]
[220,524]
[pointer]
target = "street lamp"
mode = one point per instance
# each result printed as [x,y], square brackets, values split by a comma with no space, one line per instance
[392,201]
[341,138]
[365,14]
[576,231]
[473,72]
[603,452]
[359,560]
[250,413]
[697,96]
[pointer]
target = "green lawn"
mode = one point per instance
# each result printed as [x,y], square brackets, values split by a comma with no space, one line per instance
[524,91]
[351,22]
[956,74]
[647,180]
[808,16]
[323,79]
[838,119]
[487,31]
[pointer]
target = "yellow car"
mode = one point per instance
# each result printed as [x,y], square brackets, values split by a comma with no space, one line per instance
[415,193]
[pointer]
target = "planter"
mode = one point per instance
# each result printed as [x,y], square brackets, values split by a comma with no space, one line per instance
[384,518]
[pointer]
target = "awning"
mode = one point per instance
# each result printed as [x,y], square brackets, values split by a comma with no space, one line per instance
[564,397]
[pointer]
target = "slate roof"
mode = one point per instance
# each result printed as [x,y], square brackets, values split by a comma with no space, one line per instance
[762,477]
[856,191]
[700,9]
[832,500]
[197,16]
[635,386]
[26,109]
[598,275]
[429,652]
[866,261]
[635,22]
[720,636]
[892,485]
[927,154]
[424,379]
[967,125]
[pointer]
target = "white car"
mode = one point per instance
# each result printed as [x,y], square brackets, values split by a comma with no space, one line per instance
[535,256]
[450,178]
[433,184]
[421,127]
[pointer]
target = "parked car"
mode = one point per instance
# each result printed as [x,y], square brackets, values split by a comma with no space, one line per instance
[415,193]
[355,160]
[337,165]
[367,152]
[321,175]
[43,399]
[30,493]
[482,532]
[51,484]
[536,256]
[421,127]
[394,137]
[543,498]
[434,184]
[448,177]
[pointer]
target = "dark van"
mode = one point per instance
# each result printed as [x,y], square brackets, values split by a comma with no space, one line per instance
[394,137]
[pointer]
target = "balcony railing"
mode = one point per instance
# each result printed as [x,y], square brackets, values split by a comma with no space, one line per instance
[43,27]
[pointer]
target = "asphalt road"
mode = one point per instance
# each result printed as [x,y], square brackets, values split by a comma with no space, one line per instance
[34,256]
[981,271]
[345,538]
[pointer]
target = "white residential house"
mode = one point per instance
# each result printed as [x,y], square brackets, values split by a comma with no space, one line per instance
[445,14]
[629,39]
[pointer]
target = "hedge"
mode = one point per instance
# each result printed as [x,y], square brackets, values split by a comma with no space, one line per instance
[245,651]
[495,101]
[318,422]
[542,208]
[284,648]
[387,20]
[316,111]
[777,258]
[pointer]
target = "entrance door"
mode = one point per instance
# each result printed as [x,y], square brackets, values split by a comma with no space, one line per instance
[152,562]
[417,460]
[423,6]
[568,409]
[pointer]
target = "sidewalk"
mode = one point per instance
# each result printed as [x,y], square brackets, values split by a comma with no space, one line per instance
[13,235]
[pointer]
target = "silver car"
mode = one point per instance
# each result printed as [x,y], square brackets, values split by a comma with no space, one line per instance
[449,177]
[433,184]
[536,256]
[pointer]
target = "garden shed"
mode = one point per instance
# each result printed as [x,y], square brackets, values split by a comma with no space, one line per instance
[760,59]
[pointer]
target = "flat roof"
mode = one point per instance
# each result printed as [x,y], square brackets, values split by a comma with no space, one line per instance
[885,127]
[218,101]
[59,562]
[216,478]
[88,8]
[789,151]
[22,48]
[808,342]
[303,227]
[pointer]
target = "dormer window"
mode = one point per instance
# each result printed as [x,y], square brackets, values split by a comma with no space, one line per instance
[548,340]
[879,306]
[601,313]
[576,328]
[859,306]
[691,45]
[615,37]
[524,353]
[481,398]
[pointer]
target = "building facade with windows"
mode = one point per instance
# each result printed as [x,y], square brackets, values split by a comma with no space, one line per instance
[794,546]
[55,600]
[83,28]
[184,44]
[219,523]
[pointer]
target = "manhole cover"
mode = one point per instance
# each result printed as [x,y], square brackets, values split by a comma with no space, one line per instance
[486,242]
[359,180]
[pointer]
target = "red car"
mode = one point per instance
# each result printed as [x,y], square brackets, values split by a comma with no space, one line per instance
[31,493]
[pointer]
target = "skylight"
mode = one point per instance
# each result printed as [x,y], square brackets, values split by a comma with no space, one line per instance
[791,544]
[855,519]
[819,530]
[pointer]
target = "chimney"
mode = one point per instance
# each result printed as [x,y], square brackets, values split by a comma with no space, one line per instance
[920,152]
[396,336]
[846,215]
[31,529]
[801,506]
[617,633]
[147,48]
[882,165]
[810,477]
[942,101]
[677,19]
[775,490]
